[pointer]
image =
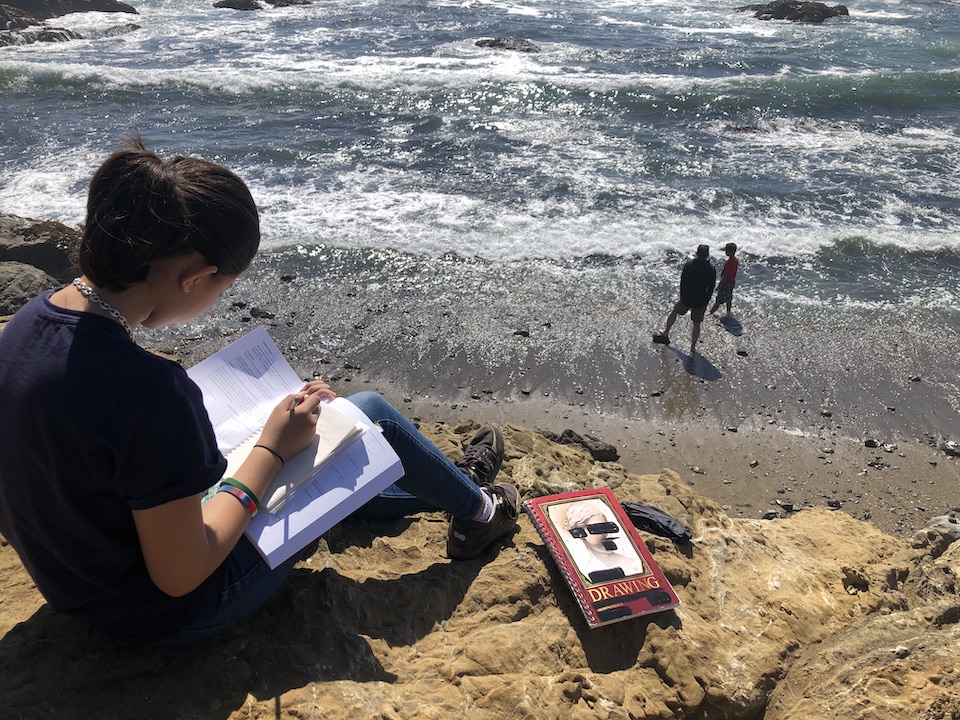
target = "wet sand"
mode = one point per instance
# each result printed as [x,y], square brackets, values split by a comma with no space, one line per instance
[775,412]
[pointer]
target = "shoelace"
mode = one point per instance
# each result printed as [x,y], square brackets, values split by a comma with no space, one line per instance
[476,456]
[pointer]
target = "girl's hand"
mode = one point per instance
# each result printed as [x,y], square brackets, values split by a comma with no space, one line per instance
[319,387]
[292,425]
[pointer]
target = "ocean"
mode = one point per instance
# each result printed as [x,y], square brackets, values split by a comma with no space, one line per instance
[829,153]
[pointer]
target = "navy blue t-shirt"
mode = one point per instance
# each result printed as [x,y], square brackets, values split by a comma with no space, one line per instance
[697,281]
[91,427]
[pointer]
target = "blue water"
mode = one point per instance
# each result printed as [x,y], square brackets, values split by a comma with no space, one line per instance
[829,153]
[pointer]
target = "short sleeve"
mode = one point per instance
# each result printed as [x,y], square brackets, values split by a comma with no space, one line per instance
[164,448]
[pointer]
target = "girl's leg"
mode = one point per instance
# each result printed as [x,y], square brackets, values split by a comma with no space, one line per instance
[393,503]
[429,476]
[430,482]
[247,584]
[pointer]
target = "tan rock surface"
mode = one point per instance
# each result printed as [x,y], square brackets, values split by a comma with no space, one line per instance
[816,615]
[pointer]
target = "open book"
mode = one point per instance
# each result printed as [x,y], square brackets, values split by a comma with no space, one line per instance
[336,429]
[346,465]
[602,558]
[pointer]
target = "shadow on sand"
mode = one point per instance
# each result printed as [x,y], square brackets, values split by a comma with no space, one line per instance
[697,365]
[731,325]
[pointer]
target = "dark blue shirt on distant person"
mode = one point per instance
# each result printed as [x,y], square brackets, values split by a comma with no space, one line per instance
[697,282]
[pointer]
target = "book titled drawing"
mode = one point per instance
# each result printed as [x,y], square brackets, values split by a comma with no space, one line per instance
[603,559]
[347,463]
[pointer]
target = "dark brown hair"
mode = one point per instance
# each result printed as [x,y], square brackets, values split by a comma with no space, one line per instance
[141,208]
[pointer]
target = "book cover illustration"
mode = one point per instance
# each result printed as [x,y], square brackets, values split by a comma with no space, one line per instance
[603,559]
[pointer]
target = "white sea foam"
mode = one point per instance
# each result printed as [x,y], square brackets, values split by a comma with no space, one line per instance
[637,130]
[368,213]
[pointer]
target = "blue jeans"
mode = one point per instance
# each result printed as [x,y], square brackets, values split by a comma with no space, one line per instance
[430,482]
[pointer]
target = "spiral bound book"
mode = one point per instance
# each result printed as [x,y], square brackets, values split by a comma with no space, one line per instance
[602,557]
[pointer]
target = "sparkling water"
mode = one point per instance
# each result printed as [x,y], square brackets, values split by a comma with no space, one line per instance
[828,152]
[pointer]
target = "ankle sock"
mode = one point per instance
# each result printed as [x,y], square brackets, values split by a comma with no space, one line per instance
[485,514]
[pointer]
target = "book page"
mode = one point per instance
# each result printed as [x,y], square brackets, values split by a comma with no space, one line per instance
[335,430]
[241,386]
[351,479]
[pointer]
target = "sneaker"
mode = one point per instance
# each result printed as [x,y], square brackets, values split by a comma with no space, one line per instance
[467,539]
[483,457]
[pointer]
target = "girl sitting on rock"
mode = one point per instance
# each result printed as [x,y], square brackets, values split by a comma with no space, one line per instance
[107,448]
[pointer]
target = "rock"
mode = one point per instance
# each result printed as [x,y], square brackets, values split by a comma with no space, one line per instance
[19,283]
[13,19]
[36,34]
[263,313]
[596,448]
[767,626]
[516,44]
[942,532]
[46,9]
[19,26]
[113,31]
[854,580]
[950,447]
[795,11]
[238,5]
[45,245]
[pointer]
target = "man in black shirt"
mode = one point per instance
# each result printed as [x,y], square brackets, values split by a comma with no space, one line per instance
[697,282]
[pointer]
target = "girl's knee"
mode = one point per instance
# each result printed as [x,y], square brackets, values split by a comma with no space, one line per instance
[371,403]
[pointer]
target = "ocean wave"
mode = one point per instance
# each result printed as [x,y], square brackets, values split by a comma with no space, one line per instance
[637,131]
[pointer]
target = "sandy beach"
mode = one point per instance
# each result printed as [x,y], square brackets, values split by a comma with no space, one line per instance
[795,407]
[821,421]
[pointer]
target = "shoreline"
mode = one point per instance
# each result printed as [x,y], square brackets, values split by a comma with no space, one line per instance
[750,471]
[778,412]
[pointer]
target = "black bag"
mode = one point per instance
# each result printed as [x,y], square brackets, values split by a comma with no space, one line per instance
[656,521]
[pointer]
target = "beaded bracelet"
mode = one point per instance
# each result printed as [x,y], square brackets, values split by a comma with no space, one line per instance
[248,504]
[272,452]
[240,486]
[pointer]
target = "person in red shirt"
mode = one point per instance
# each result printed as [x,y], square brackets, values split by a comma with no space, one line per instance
[728,278]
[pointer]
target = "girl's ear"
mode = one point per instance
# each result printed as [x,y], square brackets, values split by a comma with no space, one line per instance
[195,269]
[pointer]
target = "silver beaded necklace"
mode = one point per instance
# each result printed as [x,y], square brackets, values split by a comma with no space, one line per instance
[90,295]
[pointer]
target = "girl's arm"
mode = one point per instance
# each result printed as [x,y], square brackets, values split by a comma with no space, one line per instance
[183,542]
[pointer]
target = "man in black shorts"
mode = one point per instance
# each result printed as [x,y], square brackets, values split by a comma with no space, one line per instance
[697,282]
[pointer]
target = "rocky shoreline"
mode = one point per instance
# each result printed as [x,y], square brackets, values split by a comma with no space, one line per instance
[23,22]
[765,448]
[812,614]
